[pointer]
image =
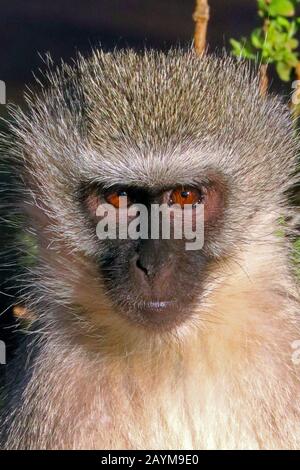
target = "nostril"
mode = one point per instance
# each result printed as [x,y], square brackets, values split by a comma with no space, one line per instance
[141,267]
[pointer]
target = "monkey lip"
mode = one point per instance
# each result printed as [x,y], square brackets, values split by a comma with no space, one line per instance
[158,312]
[159,304]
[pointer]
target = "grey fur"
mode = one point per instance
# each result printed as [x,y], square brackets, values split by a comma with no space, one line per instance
[148,119]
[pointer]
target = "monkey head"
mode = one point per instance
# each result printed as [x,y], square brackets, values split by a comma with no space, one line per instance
[173,129]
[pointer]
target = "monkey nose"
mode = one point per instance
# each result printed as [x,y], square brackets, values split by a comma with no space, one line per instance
[153,271]
[147,268]
[153,278]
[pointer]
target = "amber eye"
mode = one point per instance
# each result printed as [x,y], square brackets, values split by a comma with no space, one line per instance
[184,196]
[116,199]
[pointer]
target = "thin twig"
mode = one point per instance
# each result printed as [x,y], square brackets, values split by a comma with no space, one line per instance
[201,18]
[264,79]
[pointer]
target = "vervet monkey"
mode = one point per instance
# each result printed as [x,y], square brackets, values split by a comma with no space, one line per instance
[143,344]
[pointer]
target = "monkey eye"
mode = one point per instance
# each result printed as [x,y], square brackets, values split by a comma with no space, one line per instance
[182,196]
[119,199]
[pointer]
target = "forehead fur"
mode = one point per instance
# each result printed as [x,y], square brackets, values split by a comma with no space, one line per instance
[155,118]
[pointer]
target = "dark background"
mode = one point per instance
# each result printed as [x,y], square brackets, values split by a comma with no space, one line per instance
[32,27]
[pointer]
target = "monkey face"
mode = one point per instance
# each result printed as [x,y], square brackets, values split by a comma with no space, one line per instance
[155,278]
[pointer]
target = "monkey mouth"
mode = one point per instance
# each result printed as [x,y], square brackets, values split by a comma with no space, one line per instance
[158,310]
[159,305]
[156,314]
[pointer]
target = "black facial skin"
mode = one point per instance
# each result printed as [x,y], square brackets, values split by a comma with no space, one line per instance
[152,282]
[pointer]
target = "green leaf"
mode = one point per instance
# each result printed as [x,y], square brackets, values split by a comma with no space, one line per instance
[242,49]
[283,22]
[237,47]
[284,71]
[292,44]
[257,38]
[281,8]
[261,4]
[290,59]
[262,7]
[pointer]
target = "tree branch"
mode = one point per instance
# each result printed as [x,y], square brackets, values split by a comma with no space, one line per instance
[201,18]
[264,79]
